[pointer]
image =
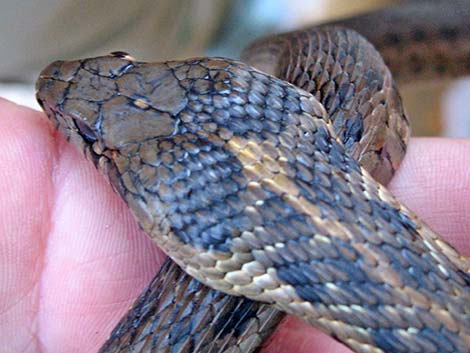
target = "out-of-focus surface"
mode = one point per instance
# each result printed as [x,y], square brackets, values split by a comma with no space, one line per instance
[21,93]
[36,32]
[455,107]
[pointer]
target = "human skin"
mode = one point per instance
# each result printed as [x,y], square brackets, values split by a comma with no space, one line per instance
[72,258]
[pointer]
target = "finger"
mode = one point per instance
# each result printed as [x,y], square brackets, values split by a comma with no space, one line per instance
[434,182]
[72,257]
[98,261]
[25,163]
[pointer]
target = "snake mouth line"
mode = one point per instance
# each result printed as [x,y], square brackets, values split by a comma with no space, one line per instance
[74,132]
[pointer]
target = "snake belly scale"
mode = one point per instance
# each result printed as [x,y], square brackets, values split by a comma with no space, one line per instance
[244,180]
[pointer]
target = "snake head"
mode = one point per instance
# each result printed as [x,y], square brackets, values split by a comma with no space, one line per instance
[107,103]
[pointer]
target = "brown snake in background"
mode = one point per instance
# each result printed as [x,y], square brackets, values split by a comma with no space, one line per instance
[262,190]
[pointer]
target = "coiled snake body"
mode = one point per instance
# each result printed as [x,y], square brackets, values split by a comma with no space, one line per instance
[259,189]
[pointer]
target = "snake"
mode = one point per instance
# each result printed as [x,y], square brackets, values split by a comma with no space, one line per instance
[263,180]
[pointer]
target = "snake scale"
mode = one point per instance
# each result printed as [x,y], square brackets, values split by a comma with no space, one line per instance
[273,193]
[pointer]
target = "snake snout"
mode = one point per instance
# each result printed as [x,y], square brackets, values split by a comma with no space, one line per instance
[60,70]
[53,80]
[52,70]
[45,77]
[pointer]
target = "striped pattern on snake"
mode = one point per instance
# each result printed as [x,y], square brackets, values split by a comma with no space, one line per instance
[283,195]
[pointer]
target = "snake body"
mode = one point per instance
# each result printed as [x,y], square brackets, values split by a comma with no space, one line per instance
[244,180]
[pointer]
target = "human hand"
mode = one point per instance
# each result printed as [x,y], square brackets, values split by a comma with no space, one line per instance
[73,260]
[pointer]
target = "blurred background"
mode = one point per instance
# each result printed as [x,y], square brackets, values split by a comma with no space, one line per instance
[34,33]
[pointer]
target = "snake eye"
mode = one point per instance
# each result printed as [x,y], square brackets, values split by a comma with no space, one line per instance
[122,55]
[85,131]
